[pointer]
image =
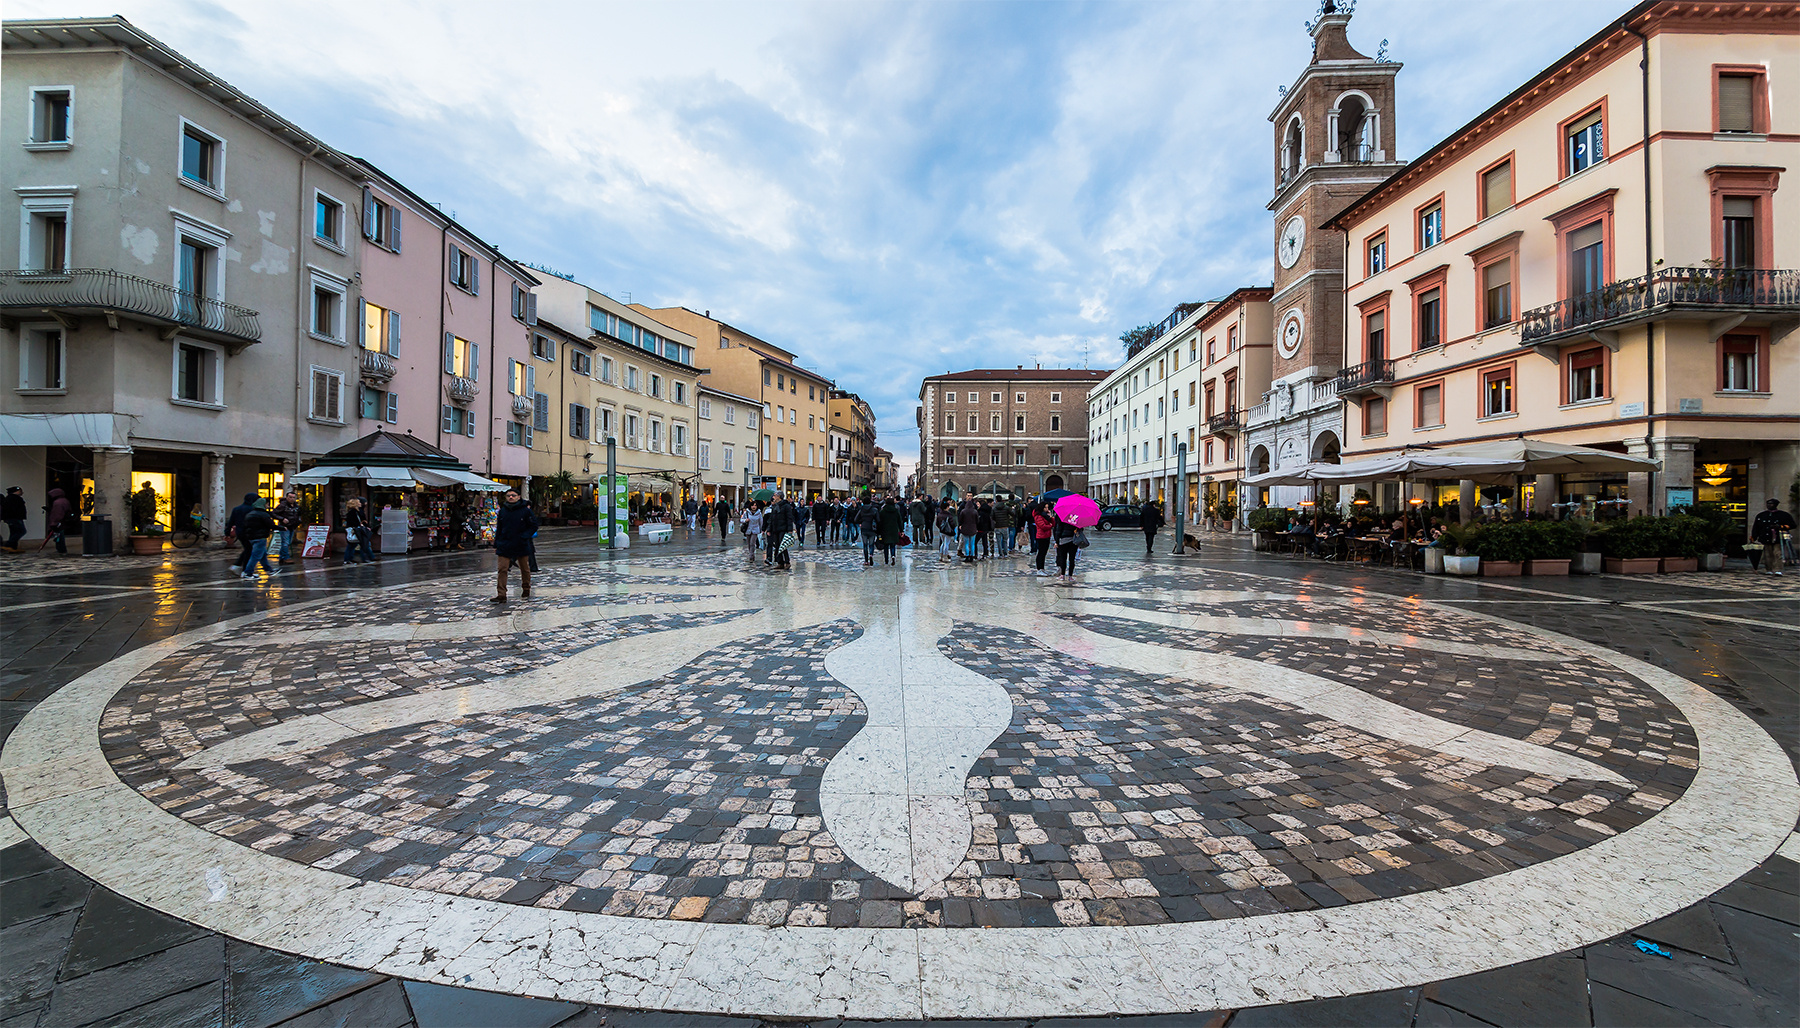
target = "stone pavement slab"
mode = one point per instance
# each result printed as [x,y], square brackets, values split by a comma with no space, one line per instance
[113,930]
[1694,929]
[1543,993]
[268,987]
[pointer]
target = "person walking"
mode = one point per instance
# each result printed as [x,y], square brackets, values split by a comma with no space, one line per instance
[868,525]
[750,524]
[689,510]
[1150,518]
[287,519]
[1068,539]
[968,524]
[256,528]
[56,521]
[778,521]
[232,526]
[945,530]
[721,512]
[1773,528]
[1043,523]
[801,512]
[821,516]
[890,519]
[920,527]
[984,527]
[514,527]
[12,511]
[356,535]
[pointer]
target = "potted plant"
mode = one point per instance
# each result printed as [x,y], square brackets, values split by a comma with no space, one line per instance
[1630,547]
[1720,526]
[1226,511]
[1503,549]
[1587,555]
[1265,522]
[1462,537]
[1553,545]
[1684,538]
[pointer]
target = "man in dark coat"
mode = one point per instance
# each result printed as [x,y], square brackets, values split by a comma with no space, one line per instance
[234,530]
[722,512]
[891,518]
[12,511]
[984,526]
[778,521]
[821,517]
[1150,519]
[56,521]
[514,527]
[968,524]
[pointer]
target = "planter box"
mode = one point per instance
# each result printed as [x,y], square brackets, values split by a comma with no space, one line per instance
[1467,566]
[1501,568]
[1585,563]
[1632,565]
[1712,562]
[1434,560]
[1672,564]
[146,545]
[1547,567]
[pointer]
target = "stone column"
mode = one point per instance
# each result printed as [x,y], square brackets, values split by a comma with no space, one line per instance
[212,474]
[1465,498]
[1543,494]
[1638,482]
[112,494]
[1677,456]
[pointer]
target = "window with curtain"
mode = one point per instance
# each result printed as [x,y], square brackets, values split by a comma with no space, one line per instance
[1431,318]
[1587,375]
[1586,142]
[1739,233]
[1737,364]
[1375,416]
[1496,287]
[1497,393]
[1375,336]
[1587,259]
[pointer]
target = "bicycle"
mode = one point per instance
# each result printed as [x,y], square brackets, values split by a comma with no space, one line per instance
[190,537]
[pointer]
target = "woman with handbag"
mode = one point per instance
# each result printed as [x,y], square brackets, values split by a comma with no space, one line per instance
[1068,540]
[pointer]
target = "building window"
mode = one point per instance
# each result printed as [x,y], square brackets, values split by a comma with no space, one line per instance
[765,376]
[1378,258]
[1584,142]
[580,363]
[1587,375]
[950,423]
[521,378]
[631,432]
[950,397]
[379,405]
[1374,341]
[327,394]
[949,456]
[1497,392]
[1055,397]
[994,423]
[730,413]
[705,407]
[704,458]
[380,330]
[328,308]
[656,436]
[1497,293]
[518,434]
[51,117]
[465,270]
[43,354]
[543,347]
[1587,259]
[633,381]
[995,398]
[1374,416]
[1056,456]
[524,304]
[678,435]
[606,370]
[730,464]
[1209,451]
[1496,189]
[1212,350]
[974,457]
[1431,406]
[1741,100]
[1431,225]
[994,457]
[381,222]
[1019,457]
[196,277]
[540,411]
[461,357]
[44,219]
[678,394]
[1740,364]
[328,220]
[197,373]
[1431,318]
[457,421]
[974,423]
[202,158]
[1056,422]
[603,430]
[1017,397]
[1018,423]
[1738,231]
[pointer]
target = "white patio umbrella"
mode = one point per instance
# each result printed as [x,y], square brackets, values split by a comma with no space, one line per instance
[1523,457]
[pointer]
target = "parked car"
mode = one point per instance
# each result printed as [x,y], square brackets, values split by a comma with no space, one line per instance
[1120,515]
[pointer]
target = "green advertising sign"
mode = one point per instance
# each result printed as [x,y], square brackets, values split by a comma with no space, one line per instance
[621,523]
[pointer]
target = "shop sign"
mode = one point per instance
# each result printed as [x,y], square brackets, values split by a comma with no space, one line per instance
[316,537]
[621,526]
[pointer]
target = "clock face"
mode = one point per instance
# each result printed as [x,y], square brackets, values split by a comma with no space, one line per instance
[1293,234]
[1293,327]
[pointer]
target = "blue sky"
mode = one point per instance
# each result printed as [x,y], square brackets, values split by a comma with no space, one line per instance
[890,190]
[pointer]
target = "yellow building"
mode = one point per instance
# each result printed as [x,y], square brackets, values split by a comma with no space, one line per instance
[1572,267]
[795,449]
[855,421]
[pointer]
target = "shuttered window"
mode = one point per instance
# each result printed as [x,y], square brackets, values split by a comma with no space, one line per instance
[1431,406]
[1496,189]
[327,394]
[1735,99]
[540,412]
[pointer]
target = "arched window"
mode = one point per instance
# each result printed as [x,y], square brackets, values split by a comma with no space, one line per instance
[1293,149]
[1355,128]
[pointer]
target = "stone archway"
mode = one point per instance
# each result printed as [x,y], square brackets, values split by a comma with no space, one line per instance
[1259,460]
[950,492]
[1326,449]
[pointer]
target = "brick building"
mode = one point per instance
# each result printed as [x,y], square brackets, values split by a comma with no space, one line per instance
[994,430]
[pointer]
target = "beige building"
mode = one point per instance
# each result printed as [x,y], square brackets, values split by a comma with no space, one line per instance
[1003,430]
[729,433]
[796,445]
[887,476]
[1517,278]
[853,424]
[633,379]
[183,308]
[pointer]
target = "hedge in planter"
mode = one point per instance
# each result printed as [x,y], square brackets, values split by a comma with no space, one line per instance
[1506,543]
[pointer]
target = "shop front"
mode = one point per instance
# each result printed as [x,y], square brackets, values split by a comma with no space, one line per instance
[414,495]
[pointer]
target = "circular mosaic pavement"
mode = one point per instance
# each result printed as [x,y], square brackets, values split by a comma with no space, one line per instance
[683,783]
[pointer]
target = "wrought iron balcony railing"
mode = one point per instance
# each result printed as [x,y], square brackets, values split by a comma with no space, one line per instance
[1364,377]
[462,390]
[103,291]
[1649,297]
[1225,421]
[376,366]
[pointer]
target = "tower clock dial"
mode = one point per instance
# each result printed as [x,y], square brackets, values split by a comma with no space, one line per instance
[1293,235]
[1293,327]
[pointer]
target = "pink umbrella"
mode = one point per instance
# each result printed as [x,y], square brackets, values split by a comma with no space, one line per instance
[1078,511]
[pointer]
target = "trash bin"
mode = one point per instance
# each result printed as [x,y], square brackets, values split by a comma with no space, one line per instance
[96,537]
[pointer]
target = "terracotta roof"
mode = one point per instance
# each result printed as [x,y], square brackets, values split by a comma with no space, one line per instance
[392,449]
[1023,374]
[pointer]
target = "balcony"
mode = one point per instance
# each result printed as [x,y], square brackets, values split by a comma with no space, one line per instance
[1726,294]
[112,293]
[1361,153]
[1366,378]
[462,391]
[521,408]
[377,367]
[1225,422]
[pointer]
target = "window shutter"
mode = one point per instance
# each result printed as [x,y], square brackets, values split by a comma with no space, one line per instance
[393,408]
[1735,93]
[540,411]
[531,380]
[394,229]
[518,308]
[1738,207]
[449,353]
[393,333]
[362,323]
[475,361]
[455,265]
[446,426]
[474,276]
[530,308]
[469,424]
[1498,189]
[369,399]
[368,219]
[334,398]
[318,393]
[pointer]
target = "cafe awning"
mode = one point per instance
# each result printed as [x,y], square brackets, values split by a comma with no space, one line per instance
[388,460]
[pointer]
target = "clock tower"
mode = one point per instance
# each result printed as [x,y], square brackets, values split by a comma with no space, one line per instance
[1334,141]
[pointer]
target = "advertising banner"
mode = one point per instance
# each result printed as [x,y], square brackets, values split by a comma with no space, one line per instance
[620,529]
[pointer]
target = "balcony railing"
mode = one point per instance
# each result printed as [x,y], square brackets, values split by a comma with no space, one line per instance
[521,407]
[1364,377]
[1225,421]
[376,366]
[1361,153]
[99,290]
[462,390]
[1714,290]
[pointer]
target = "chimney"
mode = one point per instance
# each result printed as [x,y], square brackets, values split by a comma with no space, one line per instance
[708,313]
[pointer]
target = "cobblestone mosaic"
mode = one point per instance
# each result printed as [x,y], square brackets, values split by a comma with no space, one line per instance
[1380,615]
[439,607]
